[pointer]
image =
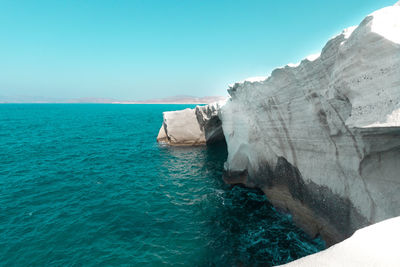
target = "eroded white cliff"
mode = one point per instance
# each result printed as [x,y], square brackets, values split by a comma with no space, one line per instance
[322,138]
[196,126]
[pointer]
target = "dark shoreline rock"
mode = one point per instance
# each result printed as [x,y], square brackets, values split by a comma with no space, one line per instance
[315,209]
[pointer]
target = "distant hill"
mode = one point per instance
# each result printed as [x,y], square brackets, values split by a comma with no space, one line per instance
[39,99]
[178,100]
[183,99]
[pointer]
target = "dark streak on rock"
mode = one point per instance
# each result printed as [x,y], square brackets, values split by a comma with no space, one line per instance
[285,129]
[315,208]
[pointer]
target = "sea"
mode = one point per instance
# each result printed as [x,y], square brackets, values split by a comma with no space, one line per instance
[88,185]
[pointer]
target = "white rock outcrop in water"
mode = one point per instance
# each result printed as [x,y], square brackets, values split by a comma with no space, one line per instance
[196,126]
[375,245]
[322,138]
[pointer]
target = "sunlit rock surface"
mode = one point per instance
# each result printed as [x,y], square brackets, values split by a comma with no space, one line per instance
[322,137]
[197,126]
[375,245]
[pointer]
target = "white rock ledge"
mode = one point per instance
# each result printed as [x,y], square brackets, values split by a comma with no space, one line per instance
[375,245]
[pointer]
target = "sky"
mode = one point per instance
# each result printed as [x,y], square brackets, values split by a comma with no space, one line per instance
[137,50]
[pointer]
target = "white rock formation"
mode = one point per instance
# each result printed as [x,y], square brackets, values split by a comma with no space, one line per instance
[181,127]
[192,126]
[322,138]
[375,245]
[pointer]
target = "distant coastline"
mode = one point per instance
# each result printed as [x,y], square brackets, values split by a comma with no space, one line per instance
[87,100]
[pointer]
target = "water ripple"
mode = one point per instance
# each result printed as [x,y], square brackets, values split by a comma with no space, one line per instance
[88,185]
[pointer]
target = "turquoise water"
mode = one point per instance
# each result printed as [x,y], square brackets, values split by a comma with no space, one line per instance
[88,185]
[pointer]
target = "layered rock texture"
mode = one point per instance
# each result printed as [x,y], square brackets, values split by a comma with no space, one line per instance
[197,126]
[322,138]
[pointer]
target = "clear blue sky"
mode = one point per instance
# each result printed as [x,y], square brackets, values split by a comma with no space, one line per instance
[146,49]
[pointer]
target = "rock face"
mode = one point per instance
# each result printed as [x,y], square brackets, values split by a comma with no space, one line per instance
[322,138]
[197,126]
[375,245]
